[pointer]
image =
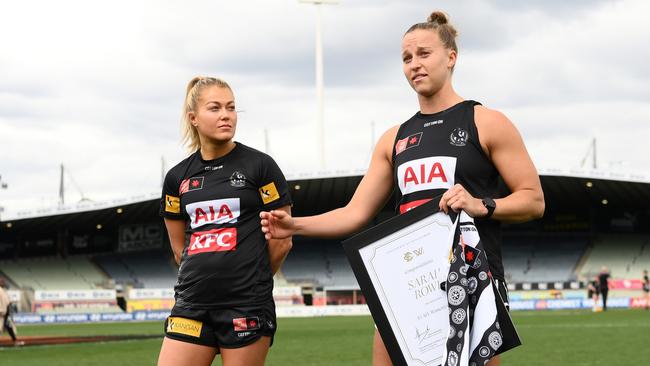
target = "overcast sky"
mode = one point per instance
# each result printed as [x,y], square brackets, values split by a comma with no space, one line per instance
[98,86]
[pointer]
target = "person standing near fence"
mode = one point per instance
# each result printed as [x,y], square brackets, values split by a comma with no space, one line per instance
[646,289]
[6,314]
[603,285]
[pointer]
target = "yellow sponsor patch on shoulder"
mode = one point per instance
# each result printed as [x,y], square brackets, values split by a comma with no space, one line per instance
[184,326]
[269,193]
[172,204]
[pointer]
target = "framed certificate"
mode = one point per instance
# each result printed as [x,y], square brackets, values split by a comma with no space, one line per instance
[402,266]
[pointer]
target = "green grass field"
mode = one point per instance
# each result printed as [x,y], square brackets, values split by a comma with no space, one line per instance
[617,337]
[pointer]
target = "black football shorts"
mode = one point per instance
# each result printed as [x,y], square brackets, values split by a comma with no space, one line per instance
[231,327]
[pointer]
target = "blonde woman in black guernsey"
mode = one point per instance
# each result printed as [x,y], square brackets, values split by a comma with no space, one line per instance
[211,202]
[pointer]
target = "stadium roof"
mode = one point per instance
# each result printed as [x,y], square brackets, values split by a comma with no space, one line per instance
[316,189]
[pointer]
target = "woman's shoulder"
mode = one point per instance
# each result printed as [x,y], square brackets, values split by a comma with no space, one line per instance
[493,124]
[252,153]
[483,114]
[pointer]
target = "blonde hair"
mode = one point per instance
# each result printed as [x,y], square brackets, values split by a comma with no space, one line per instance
[439,23]
[192,94]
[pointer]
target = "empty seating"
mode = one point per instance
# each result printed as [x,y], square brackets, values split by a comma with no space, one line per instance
[542,258]
[54,273]
[625,255]
[151,269]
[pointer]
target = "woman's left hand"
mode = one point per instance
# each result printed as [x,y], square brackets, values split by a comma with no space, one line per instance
[457,198]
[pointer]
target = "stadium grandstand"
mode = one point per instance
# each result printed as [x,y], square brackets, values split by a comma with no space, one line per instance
[114,256]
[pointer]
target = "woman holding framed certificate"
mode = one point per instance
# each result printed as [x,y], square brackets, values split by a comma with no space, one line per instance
[451,146]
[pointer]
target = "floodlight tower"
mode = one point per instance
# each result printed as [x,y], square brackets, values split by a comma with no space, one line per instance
[319,76]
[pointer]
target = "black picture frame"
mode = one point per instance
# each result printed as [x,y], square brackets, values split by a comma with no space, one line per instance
[352,247]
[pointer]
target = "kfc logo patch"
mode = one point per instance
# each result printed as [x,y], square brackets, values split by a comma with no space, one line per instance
[407,143]
[215,240]
[225,211]
[428,173]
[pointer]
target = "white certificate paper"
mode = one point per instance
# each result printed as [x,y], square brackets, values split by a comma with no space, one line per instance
[407,269]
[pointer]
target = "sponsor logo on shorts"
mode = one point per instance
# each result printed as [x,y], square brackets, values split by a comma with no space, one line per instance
[184,326]
[213,212]
[435,172]
[172,204]
[408,142]
[237,179]
[269,193]
[215,240]
[246,324]
[191,184]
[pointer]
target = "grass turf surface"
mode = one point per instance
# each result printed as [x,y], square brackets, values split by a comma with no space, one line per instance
[617,337]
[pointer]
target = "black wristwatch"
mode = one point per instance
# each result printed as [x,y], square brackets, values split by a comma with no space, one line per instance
[490,205]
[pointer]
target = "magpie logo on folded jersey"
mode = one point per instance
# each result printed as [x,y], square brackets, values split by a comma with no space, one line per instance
[215,240]
[191,184]
[407,143]
[223,211]
[435,172]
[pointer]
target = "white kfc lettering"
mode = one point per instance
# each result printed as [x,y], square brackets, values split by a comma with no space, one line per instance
[428,173]
[213,212]
[215,240]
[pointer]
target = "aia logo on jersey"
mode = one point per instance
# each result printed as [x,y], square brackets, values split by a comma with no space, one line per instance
[407,143]
[192,184]
[215,240]
[428,173]
[213,212]
[249,323]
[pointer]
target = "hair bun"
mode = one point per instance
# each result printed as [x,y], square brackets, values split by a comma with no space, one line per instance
[438,17]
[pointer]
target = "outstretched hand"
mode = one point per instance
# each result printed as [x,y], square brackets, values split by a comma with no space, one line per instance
[277,224]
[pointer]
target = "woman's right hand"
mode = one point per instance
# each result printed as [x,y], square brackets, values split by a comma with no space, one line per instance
[277,224]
